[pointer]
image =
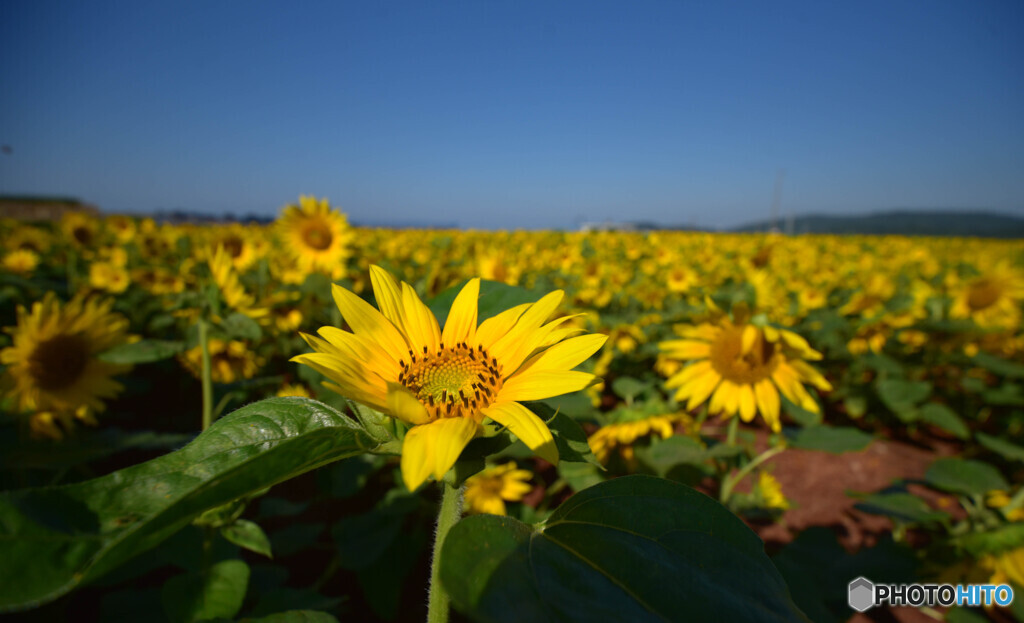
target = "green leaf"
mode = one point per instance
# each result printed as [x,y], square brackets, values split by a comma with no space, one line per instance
[663,455]
[940,415]
[834,439]
[143,351]
[630,549]
[86,446]
[903,396]
[904,506]
[218,593]
[495,297]
[1003,448]
[628,388]
[999,366]
[571,441]
[962,476]
[241,327]
[1004,538]
[248,535]
[580,475]
[801,416]
[75,533]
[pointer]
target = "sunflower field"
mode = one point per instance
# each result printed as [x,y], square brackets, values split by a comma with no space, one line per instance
[309,421]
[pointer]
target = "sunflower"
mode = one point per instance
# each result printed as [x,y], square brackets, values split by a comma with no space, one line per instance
[229,361]
[20,261]
[488,491]
[771,492]
[109,277]
[239,244]
[445,383]
[991,300]
[296,389]
[622,435]
[230,287]
[315,236]
[52,364]
[80,228]
[742,368]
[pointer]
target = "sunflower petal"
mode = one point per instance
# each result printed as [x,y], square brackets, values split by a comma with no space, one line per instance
[525,425]
[748,404]
[450,440]
[366,320]
[545,384]
[768,403]
[387,293]
[418,454]
[403,405]
[566,355]
[461,323]
[420,324]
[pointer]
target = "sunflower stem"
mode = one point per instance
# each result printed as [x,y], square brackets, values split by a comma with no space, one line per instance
[734,479]
[447,516]
[206,378]
[730,437]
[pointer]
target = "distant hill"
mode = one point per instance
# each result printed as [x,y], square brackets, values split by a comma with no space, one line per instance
[903,222]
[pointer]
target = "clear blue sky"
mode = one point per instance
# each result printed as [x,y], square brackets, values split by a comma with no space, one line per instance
[516,114]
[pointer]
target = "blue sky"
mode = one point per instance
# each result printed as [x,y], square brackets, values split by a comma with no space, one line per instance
[516,114]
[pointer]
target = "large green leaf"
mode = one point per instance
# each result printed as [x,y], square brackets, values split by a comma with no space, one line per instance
[1007,450]
[962,476]
[902,506]
[631,549]
[902,397]
[217,593]
[495,297]
[834,439]
[143,351]
[54,539]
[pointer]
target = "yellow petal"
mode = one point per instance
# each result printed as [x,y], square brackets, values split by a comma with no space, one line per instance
[748,404]
[418,454]
[461,323]
[702,387]
[420,324]
[688,373]
[811,375]
[566,355]
[750,335]
[368,322]
[389,297]
[495,327]
[525,425]
[768,403]
[452,435]
[528,323]
[403,405]
[538,385]
[686,349]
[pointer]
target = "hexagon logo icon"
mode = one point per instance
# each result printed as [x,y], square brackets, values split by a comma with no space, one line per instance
[862,594]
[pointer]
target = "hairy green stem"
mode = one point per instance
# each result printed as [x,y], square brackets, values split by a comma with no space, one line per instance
[207,380]
[447,516]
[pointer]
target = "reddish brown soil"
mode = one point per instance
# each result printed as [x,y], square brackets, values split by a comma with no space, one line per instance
[816,483]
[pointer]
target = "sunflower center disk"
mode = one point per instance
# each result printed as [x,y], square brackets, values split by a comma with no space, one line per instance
[982,294]
[317,236]
[729,360]
[456,381]
[59,361]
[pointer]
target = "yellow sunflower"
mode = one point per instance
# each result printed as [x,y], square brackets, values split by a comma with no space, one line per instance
[488,491]
[771,492]
[52,364]
[20,261]
[230,287]
[80,228]
[315,236]
[296,389]
[991,300]
[742,368]
[229,361]
[622,435]
[444,383]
